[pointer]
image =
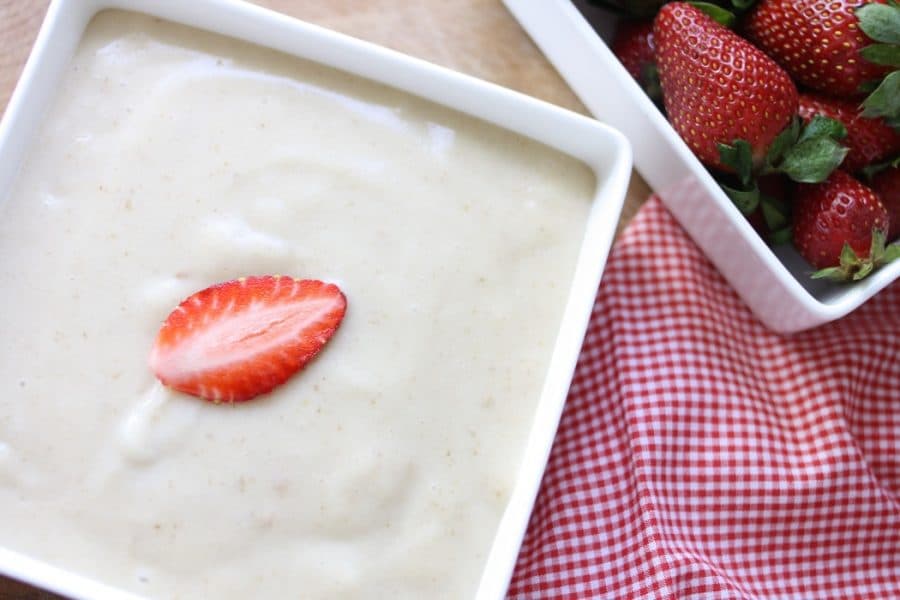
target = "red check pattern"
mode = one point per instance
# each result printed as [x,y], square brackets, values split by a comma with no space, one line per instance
[702,456]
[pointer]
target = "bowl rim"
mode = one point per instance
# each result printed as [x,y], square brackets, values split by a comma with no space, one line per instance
[566,24]
[603,149]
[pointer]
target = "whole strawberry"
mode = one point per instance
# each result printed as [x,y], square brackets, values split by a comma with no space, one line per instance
[633,46]
[887,185]
[817,41]
[840,226]
[718,87]
[869,140]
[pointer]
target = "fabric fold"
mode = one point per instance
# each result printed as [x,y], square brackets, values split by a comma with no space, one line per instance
[702,456]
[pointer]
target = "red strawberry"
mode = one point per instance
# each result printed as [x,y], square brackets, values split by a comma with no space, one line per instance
[887,185]
[633,46]
[839,226]
[816,41]
[236,340]
[718,87]
[869,140]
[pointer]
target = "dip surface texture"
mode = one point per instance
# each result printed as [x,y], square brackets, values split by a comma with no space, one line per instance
[175,159]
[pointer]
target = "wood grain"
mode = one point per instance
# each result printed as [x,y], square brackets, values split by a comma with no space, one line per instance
[477,37]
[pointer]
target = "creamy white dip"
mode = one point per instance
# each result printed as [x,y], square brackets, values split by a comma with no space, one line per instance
[173,160]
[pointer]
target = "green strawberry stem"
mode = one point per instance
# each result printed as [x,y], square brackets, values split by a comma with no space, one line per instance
[854,268]
[805,153]
[881,22]
[776,214]
[809,153]
[745,195]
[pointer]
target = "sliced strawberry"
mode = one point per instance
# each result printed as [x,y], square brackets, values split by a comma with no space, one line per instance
[237,340]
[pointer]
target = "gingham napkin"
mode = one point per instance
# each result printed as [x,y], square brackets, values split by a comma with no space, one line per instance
[702,456]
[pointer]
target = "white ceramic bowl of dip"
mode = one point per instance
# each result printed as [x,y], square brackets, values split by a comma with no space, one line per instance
[602,149]
[776,285]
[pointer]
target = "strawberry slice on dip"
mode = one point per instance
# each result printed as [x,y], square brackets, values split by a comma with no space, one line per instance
[243,338]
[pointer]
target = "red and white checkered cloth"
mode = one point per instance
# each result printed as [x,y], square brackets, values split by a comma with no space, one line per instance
[702,456]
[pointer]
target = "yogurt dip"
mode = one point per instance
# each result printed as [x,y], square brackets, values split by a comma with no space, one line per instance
[174,159]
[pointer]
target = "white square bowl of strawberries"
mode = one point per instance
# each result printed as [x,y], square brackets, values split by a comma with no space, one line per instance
[773,138]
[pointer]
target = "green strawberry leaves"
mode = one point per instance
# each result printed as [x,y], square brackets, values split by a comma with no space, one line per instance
[805,153]
[746,201]
[810,153]
[724,12]
[885,101]
[747,196]
[782,236]
[813,160]
[739,156]
[882,54]
[854,268]
[718,14]
[784,140]
[776,214]
[881,22]
[821,126]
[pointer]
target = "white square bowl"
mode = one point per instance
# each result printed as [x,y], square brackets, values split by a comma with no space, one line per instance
[602,149]
[775,284]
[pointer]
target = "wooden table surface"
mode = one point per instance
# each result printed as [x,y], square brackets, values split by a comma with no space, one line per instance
[477,37]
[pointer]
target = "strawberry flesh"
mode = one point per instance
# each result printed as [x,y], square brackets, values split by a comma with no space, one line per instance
[237,340]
